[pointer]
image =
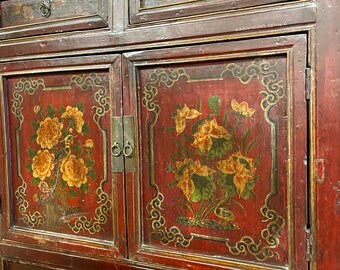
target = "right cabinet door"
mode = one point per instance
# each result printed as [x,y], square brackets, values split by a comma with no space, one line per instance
[221,131]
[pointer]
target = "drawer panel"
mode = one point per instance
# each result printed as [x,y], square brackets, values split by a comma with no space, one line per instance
[30,14]
[143,11]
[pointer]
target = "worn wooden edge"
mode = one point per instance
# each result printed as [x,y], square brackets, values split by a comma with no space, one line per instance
[61,260]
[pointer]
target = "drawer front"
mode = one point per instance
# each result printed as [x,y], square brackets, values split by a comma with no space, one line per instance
[32,13]
[143,11]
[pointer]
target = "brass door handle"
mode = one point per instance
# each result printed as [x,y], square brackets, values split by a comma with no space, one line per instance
[116,150]
[128,149]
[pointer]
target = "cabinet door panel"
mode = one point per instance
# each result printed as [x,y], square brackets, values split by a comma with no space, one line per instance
[27,17]
[156,10]
[60,190]
[222,143]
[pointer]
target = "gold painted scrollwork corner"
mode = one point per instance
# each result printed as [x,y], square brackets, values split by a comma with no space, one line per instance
[261,70]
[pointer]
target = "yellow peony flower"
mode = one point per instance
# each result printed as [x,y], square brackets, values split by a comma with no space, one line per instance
[74,171]
[242,108]
[185,182]
[241,166]
[43,164]
[76,115]
[49,132]
[210,129]
[182,115]
[89,143]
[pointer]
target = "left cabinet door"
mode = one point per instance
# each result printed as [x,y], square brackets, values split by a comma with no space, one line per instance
[58,191]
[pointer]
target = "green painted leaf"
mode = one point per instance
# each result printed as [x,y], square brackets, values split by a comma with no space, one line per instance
[199,181]
[211,186]
[31,153]
[64,132]
[251,146]
[245,194]
[199,106]
[245,137]
[214,104]
[207,193]
[62,109]
[187,207]
[80,106]
[172,183]
[250,185]
[186,137]
[253,195]
[34,137]
[77,148]
[58,153]
[196,125]
[180,145]
[50,181]
[28,166]
[63,183]
[181,169]
[36,125]
[92,174]
[85,188]
[35,181]
[72,193]
[256,178]
[86,129]
[230,190]
[50,111]
[196,196]
[225,119]
[257,161]
[88,162]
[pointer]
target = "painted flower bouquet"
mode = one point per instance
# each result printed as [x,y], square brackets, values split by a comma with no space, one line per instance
[60,162]
[212,166]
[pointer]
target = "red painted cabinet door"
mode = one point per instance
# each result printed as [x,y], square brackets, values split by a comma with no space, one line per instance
[221,132]
[59,192]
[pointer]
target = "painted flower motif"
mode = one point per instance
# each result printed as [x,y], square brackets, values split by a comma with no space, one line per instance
[207,131]
[89,143]
[74,171]
[43,164]
[49,132]
[182,115]
[36,109]
[189,167]
[242,167]
[76,115]
[242,108]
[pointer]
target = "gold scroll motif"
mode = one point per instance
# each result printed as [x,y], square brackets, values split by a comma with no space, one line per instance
[259,69]
[36,219]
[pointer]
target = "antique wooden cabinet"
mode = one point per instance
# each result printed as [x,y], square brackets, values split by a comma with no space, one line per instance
[169,134]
